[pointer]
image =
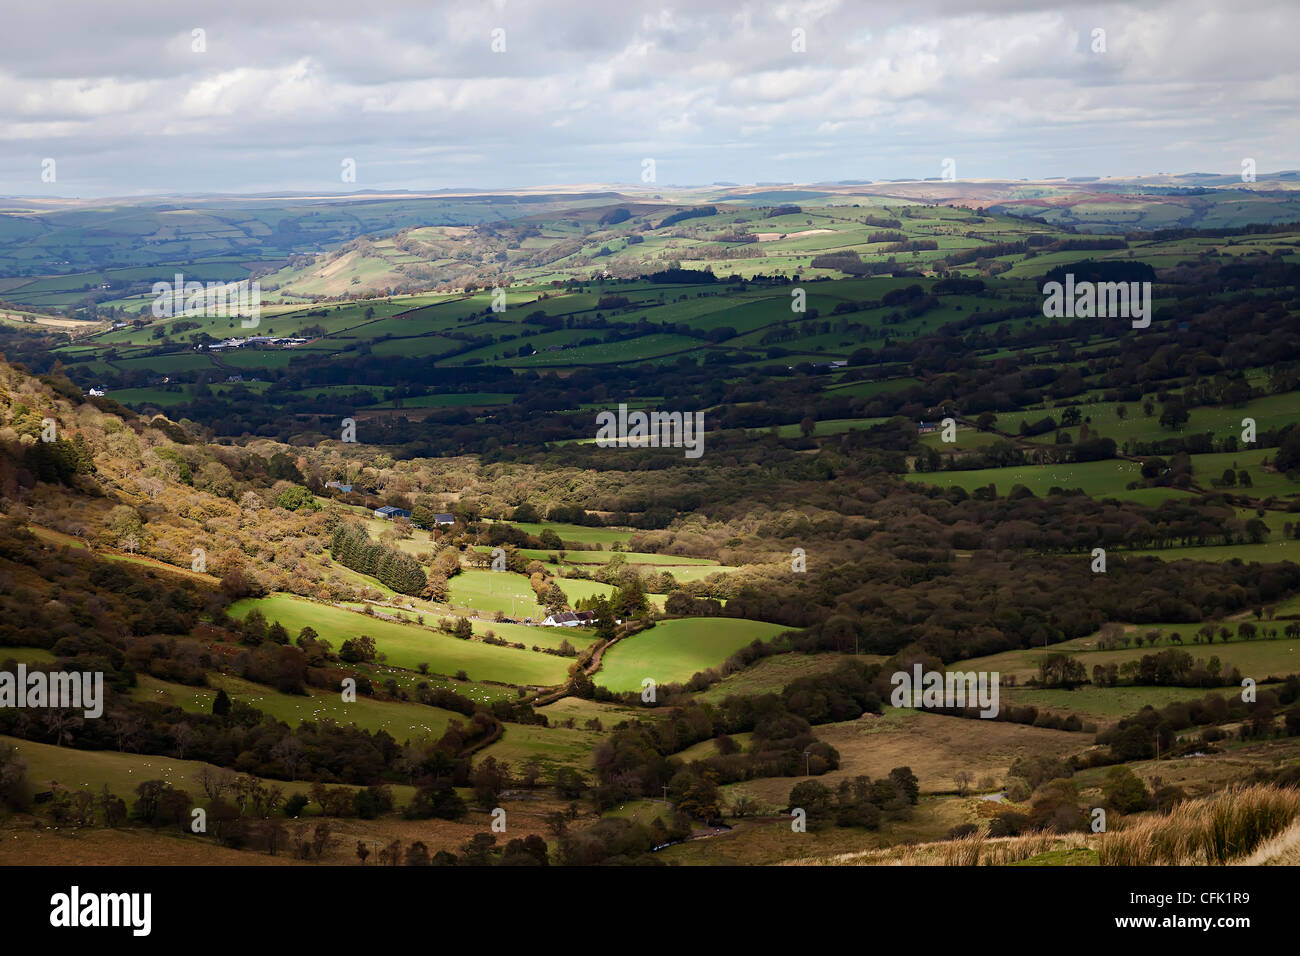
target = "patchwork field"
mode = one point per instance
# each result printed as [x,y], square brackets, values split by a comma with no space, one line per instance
[402,720]
[408,646]
[673,651]
[933,746]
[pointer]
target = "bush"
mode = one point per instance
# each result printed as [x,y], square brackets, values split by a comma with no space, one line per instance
[961,830]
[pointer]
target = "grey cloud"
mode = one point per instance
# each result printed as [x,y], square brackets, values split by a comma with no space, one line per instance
[711,90]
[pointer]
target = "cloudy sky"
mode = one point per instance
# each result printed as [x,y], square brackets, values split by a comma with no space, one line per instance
[281,94]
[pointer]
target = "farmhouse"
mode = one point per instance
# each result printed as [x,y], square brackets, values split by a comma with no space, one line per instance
[390,513]
[570,619]
[339,486]
[225,344]
[444,518]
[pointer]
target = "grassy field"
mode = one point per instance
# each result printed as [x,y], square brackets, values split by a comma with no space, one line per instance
[490,591]
[1264,655]
[48,765]
[580,711]
[551,747]
[400,719]
[772,674]
[673,651]
[26,655]
[934,746]
[1202,775]
[1270,411]
[1101,704]
[668,562]
[408,645]
[577,532]
[767,841]
[487,592]
[1265,552]
[1098,478]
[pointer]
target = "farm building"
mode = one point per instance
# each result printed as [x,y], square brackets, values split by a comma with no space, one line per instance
[390,513]
[444,518]
[570,619]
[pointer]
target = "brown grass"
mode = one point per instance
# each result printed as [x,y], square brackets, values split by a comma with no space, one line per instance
[1229,827]
[934,746]
[973,850]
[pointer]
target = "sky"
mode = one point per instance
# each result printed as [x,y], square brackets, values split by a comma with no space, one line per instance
[132,98]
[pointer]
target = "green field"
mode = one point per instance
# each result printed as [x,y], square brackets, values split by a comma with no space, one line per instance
[1098,478]
[771,674]
[408,645]
[664,561]
[581,534]
[673,651]
[48,766]
[551,747]
[1103,703]
[400,719]
[1265,552]
[1269,412]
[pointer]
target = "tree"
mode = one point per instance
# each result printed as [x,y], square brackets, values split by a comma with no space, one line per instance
[630,600]
[478,851]
[907,783]
[554,599]
[678,603]
[391,855]
[1124,791]
[1057,807]
[814,799]
[488,780]
[605,616]
[125,524]
[1061,670]
[417,854]
[15,792]
[695,794]
[1288,453]
[1174,414]
[297,498]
